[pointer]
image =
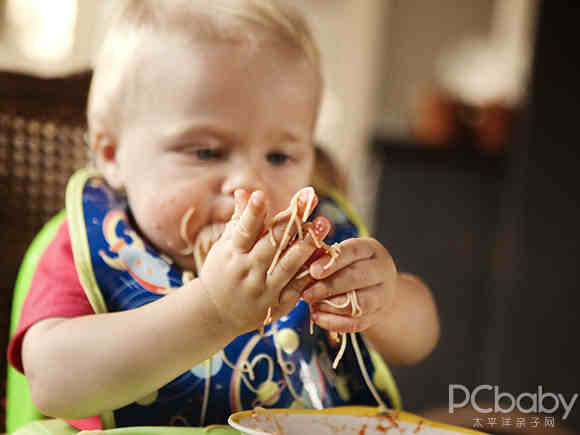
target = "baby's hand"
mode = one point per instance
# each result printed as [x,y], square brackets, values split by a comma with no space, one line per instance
[235,271]
[363,265]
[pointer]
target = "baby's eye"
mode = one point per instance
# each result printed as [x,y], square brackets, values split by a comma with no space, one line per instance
[208,154]
[278,159]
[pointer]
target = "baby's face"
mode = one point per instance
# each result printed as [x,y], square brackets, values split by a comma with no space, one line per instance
[206,122]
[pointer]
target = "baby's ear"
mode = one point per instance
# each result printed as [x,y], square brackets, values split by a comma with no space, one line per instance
[105,149]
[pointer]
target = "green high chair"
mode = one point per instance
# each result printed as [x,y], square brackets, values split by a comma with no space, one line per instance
[19,407]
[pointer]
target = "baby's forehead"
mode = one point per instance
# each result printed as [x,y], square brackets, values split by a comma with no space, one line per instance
[176,63]
[217,83]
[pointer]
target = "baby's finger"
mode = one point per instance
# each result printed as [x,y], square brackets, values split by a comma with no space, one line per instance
[249,225]
[351,251]
[341,323]
[362,274]
[360,302]
[297,254]
[290,295]
[340,304]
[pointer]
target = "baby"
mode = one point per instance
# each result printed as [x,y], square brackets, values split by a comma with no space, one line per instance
[201,115]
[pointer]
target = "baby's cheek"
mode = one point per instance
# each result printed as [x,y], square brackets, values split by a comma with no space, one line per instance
[157,231]
[160,225]
[162,235]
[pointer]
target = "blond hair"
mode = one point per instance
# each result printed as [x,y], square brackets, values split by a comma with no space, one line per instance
[233,21]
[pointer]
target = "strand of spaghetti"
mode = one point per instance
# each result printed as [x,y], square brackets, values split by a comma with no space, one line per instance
[352,300]
[183,230]
[207,364]
[298,224]
[292,211]
[317,243]
[268,316]
[334,252]
[335,305]
[370,385]
[340,352]
[308,208]
[356,309]
[267,320]
[285,238]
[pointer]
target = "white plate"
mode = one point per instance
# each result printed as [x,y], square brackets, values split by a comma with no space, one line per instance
[357,420]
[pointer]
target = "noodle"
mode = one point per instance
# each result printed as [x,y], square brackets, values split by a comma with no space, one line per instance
[351,299]
[291,211]
[267,320]
[183,230]
[370,385]
[334,252]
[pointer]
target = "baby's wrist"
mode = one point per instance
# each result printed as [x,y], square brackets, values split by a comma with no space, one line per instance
[218,322]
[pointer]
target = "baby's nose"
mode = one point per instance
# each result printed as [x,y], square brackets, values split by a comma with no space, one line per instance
[242,178]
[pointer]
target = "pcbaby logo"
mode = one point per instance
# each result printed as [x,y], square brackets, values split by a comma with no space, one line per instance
[524,402]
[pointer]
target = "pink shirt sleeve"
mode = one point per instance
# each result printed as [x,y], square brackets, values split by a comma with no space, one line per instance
[55,291]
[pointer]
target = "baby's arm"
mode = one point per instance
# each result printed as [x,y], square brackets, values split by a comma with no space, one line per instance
[409,331]
[83,366]
[398,314]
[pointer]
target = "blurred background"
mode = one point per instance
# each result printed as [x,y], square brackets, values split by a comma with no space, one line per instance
[456,123]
